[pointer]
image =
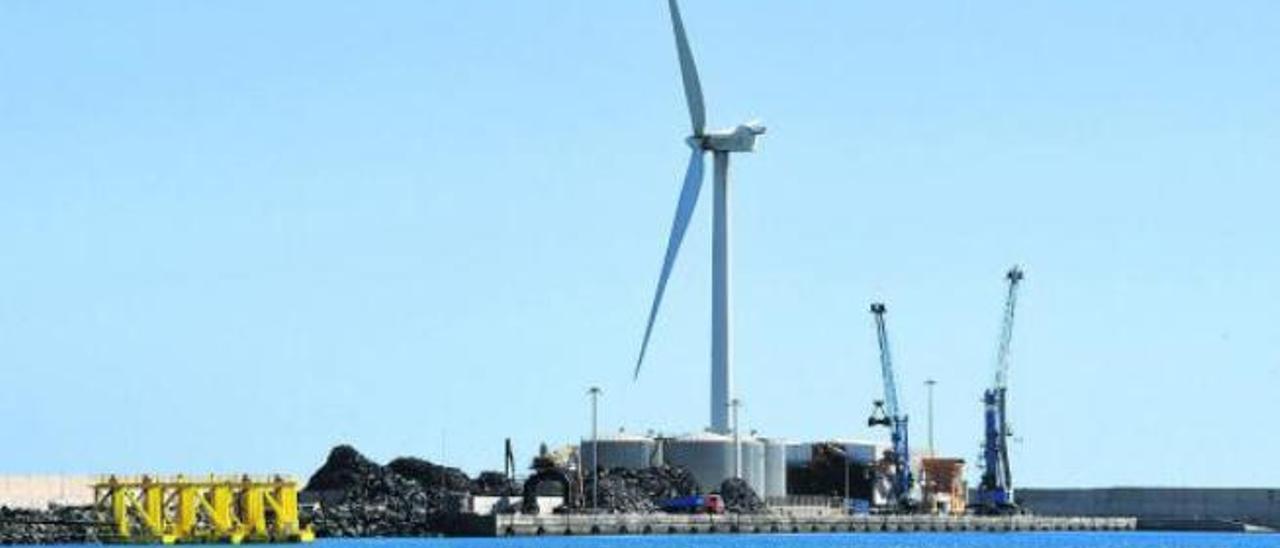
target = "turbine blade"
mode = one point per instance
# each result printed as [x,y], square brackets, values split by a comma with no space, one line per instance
[688,72]
[684,211]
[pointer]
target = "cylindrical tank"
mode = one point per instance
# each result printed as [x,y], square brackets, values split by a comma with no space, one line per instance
[620,451]
[753,464]
[775,468]
[708,456]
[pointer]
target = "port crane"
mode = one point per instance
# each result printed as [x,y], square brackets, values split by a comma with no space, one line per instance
[995,491]
[887,413]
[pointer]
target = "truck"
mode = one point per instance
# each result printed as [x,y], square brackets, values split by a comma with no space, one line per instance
[693,504]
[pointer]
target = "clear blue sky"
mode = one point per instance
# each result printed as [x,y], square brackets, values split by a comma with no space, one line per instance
[233,234]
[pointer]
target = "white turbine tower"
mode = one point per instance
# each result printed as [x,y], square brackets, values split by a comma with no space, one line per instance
[719,143]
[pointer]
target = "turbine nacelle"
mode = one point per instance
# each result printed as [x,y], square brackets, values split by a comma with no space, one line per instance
[738,139]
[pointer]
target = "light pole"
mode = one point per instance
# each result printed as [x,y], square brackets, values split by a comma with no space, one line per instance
[846,480]
[734,404]
[929,383]
[594,391]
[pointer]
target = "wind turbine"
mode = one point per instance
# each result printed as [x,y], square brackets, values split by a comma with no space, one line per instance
[719,143]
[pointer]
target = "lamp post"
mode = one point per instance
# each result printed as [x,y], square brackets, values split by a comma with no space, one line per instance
[594,391]
[929,383]
[734,404]
[846,480]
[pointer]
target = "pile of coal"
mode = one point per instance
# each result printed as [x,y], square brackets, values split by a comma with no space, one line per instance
[345,469]
[429,474]
[360,498]
[56,525]
[740,498]
[617,493]
[667,482]
[638,490]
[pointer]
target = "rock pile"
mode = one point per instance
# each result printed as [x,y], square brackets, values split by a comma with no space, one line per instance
[360,498]
[345,469]
[617,493]
[57,525]
[429,474]
[740,498]
[413,497]
[639,491]
[665,482]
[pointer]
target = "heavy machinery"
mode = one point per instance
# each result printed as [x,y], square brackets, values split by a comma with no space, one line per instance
[888,414]
[693,504]
[995,491]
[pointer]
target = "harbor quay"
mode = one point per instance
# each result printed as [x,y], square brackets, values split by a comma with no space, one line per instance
[662,524]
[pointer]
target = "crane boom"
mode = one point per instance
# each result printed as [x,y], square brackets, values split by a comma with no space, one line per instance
[1014,276]
[886,362]
[887,413]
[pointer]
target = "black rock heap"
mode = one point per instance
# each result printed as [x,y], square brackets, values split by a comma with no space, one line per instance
[740,498]
[429,474]
[360,498]
[638,491]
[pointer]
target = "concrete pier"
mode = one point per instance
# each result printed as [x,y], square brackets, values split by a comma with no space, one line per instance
[664,524]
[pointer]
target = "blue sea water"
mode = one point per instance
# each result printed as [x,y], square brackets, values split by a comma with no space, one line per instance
[859,540]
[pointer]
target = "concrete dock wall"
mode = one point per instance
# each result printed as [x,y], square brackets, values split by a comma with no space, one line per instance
[37,492]
[661,524]
[1254,506]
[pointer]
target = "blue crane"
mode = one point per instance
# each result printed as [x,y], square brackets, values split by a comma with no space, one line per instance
[995,491]
[888,414]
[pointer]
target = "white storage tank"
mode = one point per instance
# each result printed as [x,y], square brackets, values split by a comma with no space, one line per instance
[775,468]
[708,456]
[621,451]
[753,471]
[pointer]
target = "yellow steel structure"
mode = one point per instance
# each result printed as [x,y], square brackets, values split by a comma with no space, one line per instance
[225,509]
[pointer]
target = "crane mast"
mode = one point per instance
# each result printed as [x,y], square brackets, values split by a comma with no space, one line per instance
[888,414]
[995,491]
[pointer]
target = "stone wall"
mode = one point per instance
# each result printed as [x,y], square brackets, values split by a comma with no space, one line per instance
[1254,506]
